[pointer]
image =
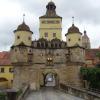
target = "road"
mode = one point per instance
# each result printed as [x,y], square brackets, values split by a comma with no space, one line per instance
[50,94]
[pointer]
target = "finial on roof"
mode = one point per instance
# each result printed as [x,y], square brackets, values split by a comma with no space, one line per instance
[23,18]
[84,31]
[72,20]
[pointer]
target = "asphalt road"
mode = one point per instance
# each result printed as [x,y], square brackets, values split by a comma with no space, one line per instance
[50,94]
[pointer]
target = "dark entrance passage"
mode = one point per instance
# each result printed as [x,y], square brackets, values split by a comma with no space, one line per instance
[50,79]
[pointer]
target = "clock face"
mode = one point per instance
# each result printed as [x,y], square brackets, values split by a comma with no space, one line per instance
[51,22]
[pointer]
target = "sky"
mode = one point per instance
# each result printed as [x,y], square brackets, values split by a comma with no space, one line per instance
[86,13]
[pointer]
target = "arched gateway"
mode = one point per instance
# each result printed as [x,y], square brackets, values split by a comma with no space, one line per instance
[50,79]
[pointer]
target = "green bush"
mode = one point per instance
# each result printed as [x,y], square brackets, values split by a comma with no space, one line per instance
[2,96]
[19,92]
[92,75]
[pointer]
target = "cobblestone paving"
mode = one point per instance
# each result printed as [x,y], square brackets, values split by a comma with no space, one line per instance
[50,94]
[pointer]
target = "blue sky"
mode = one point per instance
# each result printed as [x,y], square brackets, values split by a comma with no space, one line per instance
[86,13]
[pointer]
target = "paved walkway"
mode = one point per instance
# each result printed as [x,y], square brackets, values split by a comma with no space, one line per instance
[50,94]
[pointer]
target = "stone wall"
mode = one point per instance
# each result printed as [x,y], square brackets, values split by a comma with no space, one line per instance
[34,75]
[87,95]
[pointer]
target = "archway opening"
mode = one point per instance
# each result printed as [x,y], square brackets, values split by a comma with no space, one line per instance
[50,80]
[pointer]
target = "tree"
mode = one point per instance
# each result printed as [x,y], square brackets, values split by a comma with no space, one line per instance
[98,64]
[92,75]
[98,55]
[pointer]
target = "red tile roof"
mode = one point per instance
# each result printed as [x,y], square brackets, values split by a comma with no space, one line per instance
[5,58]
[91,54]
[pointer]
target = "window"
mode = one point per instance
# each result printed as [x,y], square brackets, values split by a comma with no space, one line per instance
[57,54]
[29,38]
[11,81]
[54,34]
[2,70]
[30,56]
[69,39]
[11,70]
[79,39]
[30,51]
[46,34]
[15,50]
[41,54]
[18,37]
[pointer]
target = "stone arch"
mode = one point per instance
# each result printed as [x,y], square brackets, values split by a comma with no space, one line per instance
[55,78]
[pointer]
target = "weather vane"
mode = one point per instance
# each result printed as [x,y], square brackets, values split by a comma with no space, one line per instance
[23,17]
[73,19]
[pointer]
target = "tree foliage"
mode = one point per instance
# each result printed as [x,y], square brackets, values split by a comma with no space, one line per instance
[98,55]
[92,75]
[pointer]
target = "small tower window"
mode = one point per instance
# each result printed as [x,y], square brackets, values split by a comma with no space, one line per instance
[54,34]
[69,39]
[46,34]
[29,38]
[18,37]
[79,39]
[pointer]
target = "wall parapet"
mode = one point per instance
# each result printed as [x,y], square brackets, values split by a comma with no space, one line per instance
[82,93]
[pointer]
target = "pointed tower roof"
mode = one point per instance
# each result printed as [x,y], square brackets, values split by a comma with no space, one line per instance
[23,27]
[73,28]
